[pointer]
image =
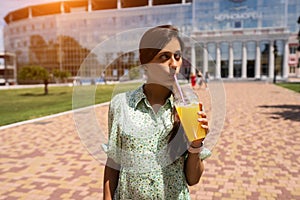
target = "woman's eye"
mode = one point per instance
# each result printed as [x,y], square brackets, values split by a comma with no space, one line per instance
[164,57]
[177,56]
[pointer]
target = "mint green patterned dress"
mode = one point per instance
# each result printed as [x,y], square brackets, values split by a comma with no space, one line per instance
[138,141]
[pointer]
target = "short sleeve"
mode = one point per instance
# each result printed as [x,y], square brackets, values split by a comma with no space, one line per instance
[113,147]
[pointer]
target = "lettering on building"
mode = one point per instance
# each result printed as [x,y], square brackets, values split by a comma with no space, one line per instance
[233,16]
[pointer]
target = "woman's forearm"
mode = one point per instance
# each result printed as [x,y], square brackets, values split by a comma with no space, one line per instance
[193,168]
[111,177]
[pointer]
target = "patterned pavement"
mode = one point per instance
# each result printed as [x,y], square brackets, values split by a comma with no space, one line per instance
[256,157]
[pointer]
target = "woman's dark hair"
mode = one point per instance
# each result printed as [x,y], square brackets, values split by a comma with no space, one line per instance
[150,45]
[156,39]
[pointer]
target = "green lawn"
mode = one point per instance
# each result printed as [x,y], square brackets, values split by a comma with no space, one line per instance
[292,86]
[24,104]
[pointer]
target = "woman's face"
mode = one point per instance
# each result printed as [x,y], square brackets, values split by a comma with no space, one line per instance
[161,69]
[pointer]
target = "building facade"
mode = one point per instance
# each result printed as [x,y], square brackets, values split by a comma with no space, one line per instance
[8,71]
[230,39]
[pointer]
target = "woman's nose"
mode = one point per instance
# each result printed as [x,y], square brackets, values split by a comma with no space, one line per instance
[173,63]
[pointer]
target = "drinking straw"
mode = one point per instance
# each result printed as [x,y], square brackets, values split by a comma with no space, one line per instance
[179,89]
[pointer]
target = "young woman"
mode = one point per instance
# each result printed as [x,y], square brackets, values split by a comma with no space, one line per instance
[143,126]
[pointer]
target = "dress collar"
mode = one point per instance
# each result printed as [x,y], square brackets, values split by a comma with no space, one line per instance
[138,95]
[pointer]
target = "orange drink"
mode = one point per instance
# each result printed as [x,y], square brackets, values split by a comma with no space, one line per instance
[188,115]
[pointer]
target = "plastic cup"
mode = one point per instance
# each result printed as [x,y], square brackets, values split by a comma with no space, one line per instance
[188,115]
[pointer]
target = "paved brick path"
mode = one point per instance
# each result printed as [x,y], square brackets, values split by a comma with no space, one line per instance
[256,157]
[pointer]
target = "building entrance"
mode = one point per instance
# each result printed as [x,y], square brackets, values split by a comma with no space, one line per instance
[224,68]
[250,68]
[237,68]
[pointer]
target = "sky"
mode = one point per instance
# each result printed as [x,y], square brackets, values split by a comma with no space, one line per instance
[7,6]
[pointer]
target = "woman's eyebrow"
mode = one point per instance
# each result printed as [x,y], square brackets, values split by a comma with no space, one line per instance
[178,51]
[165,52]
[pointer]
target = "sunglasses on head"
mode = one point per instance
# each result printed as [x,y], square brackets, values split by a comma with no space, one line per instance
[164,56]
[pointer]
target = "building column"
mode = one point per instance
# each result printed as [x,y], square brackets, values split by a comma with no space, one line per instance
[205,59]
[89,5]
[271,60]
[150,3]
[29,13]
[15,68]
[244,61]
[183,1]
[218,62]
[257,61]
[230,64]
[62,7]
[285,70]
[193,59]
[119,4]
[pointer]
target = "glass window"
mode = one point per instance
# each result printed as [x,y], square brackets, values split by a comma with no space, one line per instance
[293,49]
[224,46]
[292,69]
[237,50]
[211,48]
[237,24]
[265,49]
[115,72]
[250,23]
[251,50]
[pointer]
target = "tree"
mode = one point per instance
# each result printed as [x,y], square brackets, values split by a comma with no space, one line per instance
[35,73]
[61,75]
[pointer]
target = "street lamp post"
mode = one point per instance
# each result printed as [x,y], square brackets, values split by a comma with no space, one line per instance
[275,56]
